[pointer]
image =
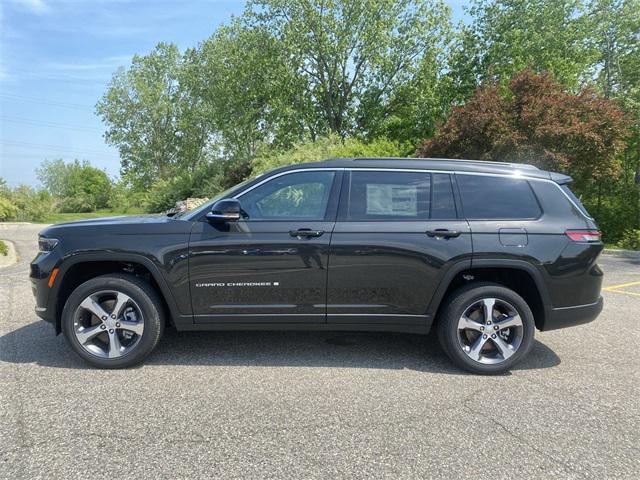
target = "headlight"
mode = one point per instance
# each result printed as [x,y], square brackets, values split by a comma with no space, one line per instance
[47,244]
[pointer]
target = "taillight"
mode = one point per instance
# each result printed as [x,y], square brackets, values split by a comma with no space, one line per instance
[584,235]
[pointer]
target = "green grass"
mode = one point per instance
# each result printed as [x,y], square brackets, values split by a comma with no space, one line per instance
[4,250]
[57,217]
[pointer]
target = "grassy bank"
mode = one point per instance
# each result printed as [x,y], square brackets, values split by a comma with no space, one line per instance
[57,217]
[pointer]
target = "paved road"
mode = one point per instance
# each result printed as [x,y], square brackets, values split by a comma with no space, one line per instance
[312,405]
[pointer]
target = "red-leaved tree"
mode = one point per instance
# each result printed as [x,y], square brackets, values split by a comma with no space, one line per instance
[535,120]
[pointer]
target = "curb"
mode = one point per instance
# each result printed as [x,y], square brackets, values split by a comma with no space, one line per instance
[6,225]
[622,253]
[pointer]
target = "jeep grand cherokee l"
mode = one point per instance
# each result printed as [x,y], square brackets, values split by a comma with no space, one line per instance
[483,252]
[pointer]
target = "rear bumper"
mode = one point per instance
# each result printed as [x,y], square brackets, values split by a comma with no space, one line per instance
[570,316]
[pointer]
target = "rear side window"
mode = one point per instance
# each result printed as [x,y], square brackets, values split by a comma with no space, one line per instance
[565,188]
[497,198]
[389,196]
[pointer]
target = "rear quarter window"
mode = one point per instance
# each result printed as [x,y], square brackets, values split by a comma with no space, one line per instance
[497,198]
[565,188]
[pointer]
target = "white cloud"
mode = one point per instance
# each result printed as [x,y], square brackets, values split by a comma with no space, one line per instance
[107,63]
[39,7]
[91,73]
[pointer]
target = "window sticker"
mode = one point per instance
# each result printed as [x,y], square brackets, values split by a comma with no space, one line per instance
[389,199]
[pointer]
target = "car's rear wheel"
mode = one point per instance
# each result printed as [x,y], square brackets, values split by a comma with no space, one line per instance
[113,321]
[486,328]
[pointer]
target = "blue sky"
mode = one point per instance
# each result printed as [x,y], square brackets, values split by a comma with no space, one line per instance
[57,57]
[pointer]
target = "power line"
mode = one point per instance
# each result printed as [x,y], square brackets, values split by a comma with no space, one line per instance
[57,148]
[46,123]
[45,101]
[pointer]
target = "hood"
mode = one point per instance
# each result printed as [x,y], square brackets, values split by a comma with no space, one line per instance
[118,220]
[121,225]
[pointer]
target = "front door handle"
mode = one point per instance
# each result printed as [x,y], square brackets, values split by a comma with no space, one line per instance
[443,233]
[306,232]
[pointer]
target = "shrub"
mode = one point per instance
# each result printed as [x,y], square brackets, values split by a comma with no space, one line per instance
[81,187]
[8,210]
[79,203]
[123,198]
[4,250]
[614,203]
[536,120]
[207,180]
[630,240]
[327,147]
[32,205]
[163,194]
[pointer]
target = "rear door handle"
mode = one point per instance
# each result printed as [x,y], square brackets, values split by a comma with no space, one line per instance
[443,233]
[306,232]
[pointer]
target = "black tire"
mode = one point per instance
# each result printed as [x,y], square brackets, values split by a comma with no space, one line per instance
[144,296]
[458,303]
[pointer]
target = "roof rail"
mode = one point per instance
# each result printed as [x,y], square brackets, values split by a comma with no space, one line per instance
[485,162]
[459,160]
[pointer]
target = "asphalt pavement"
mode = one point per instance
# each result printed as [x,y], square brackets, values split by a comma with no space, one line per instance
[319,405]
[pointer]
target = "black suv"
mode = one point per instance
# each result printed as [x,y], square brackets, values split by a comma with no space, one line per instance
[484,252]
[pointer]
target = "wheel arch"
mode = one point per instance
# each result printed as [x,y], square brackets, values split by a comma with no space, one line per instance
[78,269]
[518,275]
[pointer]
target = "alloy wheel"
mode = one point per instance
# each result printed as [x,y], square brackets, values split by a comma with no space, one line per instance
[108,324]
[490,331]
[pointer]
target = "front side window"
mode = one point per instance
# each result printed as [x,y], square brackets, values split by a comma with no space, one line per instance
[294,196]
[385,195]
[497,198]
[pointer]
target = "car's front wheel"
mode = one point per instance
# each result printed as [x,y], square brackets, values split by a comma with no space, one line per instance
[486,328]
[113,321]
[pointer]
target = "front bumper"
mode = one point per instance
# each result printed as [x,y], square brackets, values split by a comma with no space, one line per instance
[570,316]
[40,270]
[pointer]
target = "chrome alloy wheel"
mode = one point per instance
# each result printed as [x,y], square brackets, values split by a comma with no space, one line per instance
[108,324]
[490,331]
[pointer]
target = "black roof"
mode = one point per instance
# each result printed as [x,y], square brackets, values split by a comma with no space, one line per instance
[444,164]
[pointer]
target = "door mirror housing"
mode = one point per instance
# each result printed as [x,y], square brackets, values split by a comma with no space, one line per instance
[225,210]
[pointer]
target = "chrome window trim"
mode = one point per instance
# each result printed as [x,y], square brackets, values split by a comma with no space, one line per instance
[277,175]
[517,174]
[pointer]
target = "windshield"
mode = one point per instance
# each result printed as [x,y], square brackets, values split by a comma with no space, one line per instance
[189,214]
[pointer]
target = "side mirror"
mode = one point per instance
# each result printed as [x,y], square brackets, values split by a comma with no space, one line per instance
[225,210]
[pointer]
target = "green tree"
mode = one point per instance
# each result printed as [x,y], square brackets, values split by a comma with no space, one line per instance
[4,188]
[79,186]
[414,108]
[614,27]
[506,36]
[344,51]
[147,116]
[54,176]
[245,89]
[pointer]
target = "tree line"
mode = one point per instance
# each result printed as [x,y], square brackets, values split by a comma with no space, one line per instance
[555,83]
